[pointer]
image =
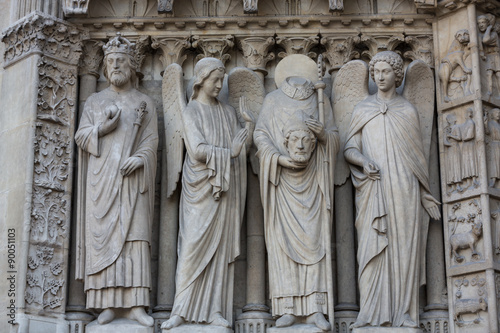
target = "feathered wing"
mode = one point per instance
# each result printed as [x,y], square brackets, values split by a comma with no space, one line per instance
[419,91]
[349,88]
[245,82]
[174,103]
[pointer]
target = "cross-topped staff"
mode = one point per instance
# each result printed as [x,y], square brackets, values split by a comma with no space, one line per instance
[320,86]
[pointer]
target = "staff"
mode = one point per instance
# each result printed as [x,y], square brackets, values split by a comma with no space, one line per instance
[141,112]
[320,86]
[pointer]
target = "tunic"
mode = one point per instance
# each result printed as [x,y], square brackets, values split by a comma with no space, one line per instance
[391,234]
[115,213]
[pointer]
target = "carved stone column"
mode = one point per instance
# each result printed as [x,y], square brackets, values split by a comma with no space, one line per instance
[41,59]
[469,199]
[172,51]
[339,51]
[214,47]
[76,312]
[297,45]
[255,316]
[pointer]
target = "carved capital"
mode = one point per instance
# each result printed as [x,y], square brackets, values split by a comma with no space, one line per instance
[142,48]
[297,45]
[336,5]
[421,49]
[165,6]
[256,52]
[379,43]
[214,47]
[250,6]
[424,4]
[340,50]
[172,49]
[94,54]
[75,7]
[43,34]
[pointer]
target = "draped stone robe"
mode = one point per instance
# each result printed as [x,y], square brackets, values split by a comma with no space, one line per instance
[389,216]
[211,211]
[115,213]
[297,205]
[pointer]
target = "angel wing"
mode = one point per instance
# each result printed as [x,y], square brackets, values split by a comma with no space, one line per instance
[349,88]
[419,91]
[174,102]
[245,82]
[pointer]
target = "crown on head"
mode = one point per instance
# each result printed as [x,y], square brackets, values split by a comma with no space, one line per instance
[119,44]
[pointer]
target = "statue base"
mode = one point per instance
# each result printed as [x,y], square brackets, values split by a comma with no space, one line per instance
[121,325]
[198,328]
[297,328]
[379,329]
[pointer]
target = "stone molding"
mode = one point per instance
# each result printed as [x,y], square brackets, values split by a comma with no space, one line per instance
[40,33]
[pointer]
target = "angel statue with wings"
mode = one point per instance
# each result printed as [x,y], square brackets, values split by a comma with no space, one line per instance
[297,143]
[213,192]
[388,160]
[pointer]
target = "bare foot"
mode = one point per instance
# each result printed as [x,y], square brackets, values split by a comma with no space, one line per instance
[285,320]
[218,320]
[174,321]
[319,320]
[139,314]
[106,316]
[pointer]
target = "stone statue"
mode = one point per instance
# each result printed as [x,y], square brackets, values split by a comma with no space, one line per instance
[469,156]
[490,50]
[454,59]
[117,140]
[212,202]
[452,139]
[297,155]
[388,161]
[492,130]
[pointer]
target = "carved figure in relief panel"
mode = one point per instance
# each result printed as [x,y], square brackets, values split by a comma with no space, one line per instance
[213,193]
[297,141]
[389,165]
[492,131]
[452,139]
[466,229]
[469,156]
[453,69]
[473,303]
[117,139]
[490,48]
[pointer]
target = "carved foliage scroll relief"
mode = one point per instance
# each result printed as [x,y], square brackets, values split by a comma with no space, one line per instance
[51,199]
[470,300]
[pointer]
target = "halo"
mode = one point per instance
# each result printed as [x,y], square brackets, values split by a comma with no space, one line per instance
[296,65]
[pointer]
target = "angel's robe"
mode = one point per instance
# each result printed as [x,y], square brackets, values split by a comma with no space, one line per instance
[391,230]
[210,215]
[115,213]
[297,204]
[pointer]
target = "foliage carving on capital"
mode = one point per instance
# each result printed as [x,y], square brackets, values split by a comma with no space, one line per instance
[250,6]
[165,6]
[75,7]
[297,45]
[340,50]
[336,5]
[43,34]
[256,53]
[142,48]
[172,49]
[93,57]
[421,49]
[214,47]
[379,43]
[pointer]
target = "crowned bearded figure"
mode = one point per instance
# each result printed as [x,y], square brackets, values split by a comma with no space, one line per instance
[117,140]
[296,153]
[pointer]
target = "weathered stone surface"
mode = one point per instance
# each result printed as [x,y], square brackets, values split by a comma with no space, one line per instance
[118,325]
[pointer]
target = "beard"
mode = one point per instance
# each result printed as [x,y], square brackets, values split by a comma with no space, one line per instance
[300,158]
[119,78]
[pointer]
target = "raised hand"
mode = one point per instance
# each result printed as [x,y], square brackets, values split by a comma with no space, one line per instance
[112,114]
[238,142]
[317,128]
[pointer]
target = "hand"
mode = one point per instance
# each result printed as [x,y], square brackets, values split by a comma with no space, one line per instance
[238,142]
[317,128]
[112,114]
[371,170]
[131,164]
[431,205]
[288,163]
[245,111]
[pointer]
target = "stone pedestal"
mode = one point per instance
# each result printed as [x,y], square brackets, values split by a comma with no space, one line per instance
[386,330]
[198,328]
[121,325]
[254,321]
[300,328]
